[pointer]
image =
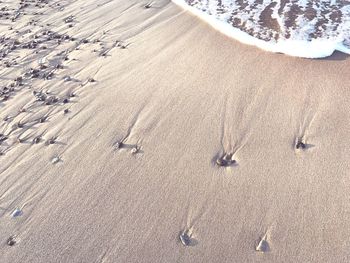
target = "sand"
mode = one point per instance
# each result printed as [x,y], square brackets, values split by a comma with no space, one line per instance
[129,162]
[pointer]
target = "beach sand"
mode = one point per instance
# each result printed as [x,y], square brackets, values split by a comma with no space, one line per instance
[128,162]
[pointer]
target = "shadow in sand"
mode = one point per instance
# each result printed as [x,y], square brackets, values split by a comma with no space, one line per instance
[187,240]
[337,56]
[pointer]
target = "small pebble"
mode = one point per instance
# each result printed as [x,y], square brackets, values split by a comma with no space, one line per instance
[11,241]
[19,140]
[225,160]
[16,213]
[69,19]
[51,141]
[300,145]
[36,140]
[56,160]
[185,239]
[134,150]
[119,145]
[19,125]
[3,138]
[263,246]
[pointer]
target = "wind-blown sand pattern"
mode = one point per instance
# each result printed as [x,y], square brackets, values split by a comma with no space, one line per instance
[300,28]
[131,131]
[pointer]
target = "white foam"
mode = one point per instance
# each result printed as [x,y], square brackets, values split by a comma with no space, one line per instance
[314,48]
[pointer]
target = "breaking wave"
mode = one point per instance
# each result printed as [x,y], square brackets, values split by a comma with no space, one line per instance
[302,28]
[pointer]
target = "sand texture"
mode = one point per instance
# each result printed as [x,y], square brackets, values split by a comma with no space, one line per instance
[134,134]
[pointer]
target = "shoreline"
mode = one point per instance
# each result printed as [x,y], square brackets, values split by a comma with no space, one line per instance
[179,143]
[295,48]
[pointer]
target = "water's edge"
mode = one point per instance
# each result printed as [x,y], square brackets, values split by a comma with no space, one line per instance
[316,48]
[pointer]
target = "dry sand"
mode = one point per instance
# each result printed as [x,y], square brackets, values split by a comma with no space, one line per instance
[178,97]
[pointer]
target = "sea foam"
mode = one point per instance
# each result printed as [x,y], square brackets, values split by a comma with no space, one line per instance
[304,28]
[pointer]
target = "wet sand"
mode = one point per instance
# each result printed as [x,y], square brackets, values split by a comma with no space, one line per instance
[134,134]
